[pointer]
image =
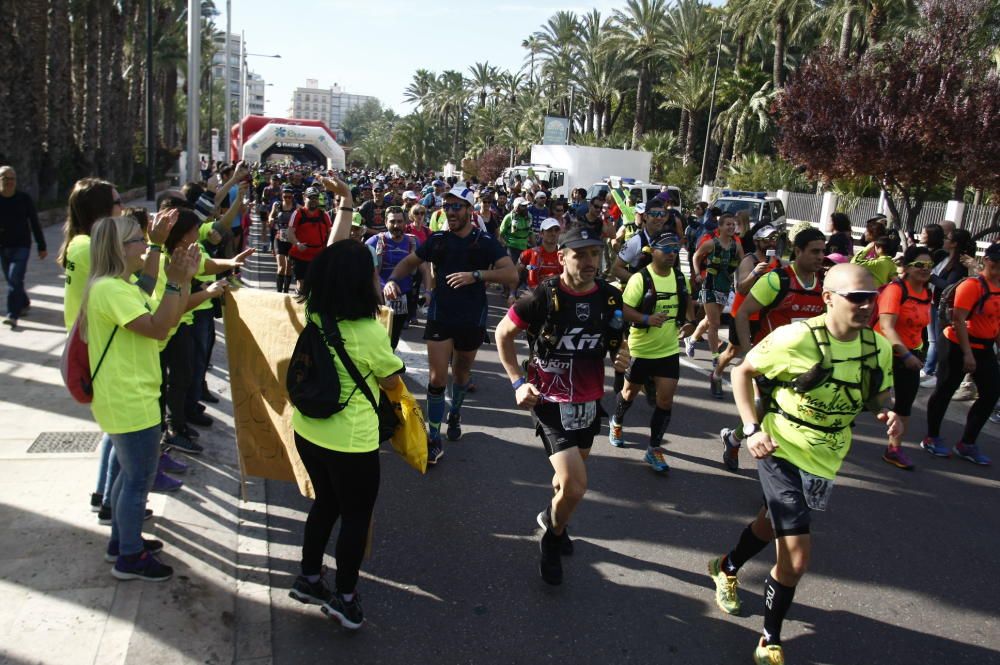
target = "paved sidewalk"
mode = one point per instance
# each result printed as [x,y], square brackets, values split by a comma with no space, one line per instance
[60,603]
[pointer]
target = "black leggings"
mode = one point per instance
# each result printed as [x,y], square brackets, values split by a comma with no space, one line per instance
[346,485]
[950,372]
[175,365]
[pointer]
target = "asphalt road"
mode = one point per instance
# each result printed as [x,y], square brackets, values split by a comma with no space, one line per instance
[903,568]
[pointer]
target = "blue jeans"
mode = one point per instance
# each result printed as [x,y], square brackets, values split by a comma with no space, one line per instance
[107,469]
[933,330]
[14,261]
[138,453]
[201,337]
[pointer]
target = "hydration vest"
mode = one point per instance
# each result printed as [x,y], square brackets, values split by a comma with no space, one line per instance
[740,297]
[546,341]
[906,296]
[821,374]
[645,253]
[793,301]
[651,296]
[947,305]
[715,262]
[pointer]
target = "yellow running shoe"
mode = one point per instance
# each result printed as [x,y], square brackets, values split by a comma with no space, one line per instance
[725,587]
[770,654]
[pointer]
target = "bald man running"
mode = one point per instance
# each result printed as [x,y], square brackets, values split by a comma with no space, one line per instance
[825,371]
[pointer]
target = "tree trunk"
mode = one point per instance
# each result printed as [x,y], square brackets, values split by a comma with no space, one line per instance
[725,155]
[588,121]
[16,109]
[692,139]
[682,131]
[32,34]
[90,110]
[169,104]
[741,45]
[59,101]
[846,33]
[780,37]
[607,121]
[641,93]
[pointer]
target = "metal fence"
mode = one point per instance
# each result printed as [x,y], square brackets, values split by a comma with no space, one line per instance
[859,209]
[804,207]
[978,218]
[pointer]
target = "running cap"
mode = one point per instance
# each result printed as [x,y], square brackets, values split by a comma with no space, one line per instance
[311,192]
[357,219]
[993,252]
[439,183]
[410,196]
[665,240]
[765,232]
[550,223]
[541,195]
[640,208]
[518,202]
[578,238]
[463,193]
[836,258]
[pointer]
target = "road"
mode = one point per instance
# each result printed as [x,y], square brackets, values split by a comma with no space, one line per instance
[902,569]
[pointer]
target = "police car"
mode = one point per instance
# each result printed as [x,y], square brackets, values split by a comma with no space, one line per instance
[644,191]
[763,210]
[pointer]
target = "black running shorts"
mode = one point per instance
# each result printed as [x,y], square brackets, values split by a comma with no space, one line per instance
[465,338]
[548,427]
[783,496]
[641,370]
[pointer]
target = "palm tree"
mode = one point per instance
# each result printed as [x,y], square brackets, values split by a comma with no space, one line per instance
[745,99]
[688,90]
[783,17]
[531,43]
[663,146]
[638,35]
[557,47]
[692,28]
[484,78]
[601,74]
[419,90]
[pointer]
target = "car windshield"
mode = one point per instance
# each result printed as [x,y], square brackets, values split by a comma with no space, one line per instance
[596,190]
[733,206]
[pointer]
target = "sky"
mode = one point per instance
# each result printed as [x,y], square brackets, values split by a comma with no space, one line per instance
[374,47]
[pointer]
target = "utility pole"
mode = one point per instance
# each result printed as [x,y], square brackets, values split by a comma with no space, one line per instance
[711,108]
[243,83]
[150,136]
[227,121]
[193,88]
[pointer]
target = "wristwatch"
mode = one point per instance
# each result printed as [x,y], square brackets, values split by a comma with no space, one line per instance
[476,275]
[751,429]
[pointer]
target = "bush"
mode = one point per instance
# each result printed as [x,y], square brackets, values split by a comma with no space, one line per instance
[492,163]
[766,174]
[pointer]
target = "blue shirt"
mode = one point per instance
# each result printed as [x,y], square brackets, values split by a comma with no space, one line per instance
[465,306]
[388,253]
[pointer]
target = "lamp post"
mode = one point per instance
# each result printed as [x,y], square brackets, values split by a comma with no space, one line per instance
[193,88]
[243,84]
[711,108]
[227,80]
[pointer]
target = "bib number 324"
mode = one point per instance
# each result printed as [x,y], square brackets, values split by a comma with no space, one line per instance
[817,490]
[577,416]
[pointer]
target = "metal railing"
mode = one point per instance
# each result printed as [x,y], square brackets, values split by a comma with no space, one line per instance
[804,207]
[978,217]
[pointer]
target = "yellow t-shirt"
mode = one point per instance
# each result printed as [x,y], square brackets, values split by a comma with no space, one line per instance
[791,350]
[654,342]
[127,387]
[439,221]
[355,428]
[77,273]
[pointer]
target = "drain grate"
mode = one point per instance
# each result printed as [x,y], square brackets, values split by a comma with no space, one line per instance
[66,442]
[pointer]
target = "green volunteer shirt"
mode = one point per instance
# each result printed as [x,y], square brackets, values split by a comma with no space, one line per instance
[791,350]
[882,268]
[355,428]
[516,231]
[127,386]
[77,273]
[628,212]
[654,342]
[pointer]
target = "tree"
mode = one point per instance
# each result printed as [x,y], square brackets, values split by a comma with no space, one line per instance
[359,119]
[483,80]
[912,115]
[639,35]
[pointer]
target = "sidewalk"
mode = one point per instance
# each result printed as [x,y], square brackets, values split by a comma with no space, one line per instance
[60,603]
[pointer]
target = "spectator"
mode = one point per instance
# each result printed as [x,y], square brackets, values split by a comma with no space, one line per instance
[18,222]
[840,242]
[882,267]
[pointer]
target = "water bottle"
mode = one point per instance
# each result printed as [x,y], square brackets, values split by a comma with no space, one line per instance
[617,321]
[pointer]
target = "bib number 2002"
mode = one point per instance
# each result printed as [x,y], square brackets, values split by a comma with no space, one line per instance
[577,416]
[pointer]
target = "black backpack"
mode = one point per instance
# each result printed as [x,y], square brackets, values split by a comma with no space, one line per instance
[651,296]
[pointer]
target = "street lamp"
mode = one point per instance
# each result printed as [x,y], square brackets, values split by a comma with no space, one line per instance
[243,83]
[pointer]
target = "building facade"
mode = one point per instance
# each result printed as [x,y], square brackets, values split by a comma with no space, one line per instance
[330,105]
[255,83]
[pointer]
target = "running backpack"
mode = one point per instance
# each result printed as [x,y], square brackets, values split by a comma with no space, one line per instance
[651,296]
[946,307]
[75,365]
[611,339]
[906,296]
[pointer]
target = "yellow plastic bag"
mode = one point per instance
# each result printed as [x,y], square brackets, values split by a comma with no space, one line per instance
[410,439]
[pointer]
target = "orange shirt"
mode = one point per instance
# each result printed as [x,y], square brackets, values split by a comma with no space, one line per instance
[984,324]
[540,264]
[912,315]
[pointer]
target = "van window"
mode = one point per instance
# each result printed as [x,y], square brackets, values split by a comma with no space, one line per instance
[597,190]
[779,209]
[557,179]
[651,193]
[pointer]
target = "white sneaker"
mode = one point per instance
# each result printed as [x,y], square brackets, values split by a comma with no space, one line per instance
[689,346]
[995,418]
[966,392]
[927,380]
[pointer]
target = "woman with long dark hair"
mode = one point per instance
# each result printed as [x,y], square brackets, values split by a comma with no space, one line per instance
[956,266]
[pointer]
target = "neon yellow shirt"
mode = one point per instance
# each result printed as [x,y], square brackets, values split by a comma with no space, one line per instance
[791,350]
[355,428]
[439,221]
[654,342]
[882,268]
[127,387]
[77,274]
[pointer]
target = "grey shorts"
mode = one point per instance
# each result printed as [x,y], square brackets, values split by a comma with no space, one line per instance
[706,296]
[783,496]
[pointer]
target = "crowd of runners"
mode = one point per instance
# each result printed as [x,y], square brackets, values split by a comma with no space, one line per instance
[814,339]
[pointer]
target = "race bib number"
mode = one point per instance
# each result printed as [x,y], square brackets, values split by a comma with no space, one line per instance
[283,235]
[817,490]
[398,306]
[577,416]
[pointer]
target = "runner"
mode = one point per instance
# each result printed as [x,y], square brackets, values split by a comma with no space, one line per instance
[904,310]
[826,370]
[516,235]
[720,257]
[308,231]
[754,265]
[967,345]
[575,321]
[789,293]
[657,304]
[391,247]
[542,262]
[279,219]
[636,253]
[464,260]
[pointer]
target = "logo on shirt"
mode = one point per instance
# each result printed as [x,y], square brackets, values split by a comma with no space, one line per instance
[583,311]
[576,340]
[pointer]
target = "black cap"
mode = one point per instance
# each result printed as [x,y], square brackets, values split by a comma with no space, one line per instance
[578,238]
[993,252]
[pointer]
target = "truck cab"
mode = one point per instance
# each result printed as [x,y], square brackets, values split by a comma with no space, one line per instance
[538,172]
[644,191]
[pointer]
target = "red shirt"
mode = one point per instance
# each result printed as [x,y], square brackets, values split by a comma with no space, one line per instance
[421,232]
[540,264]
[981,325]
[913,315]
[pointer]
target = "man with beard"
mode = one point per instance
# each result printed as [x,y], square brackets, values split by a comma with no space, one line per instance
[464,260]
[391,247]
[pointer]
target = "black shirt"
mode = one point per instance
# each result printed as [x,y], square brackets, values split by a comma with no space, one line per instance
[465,306]
[18,221]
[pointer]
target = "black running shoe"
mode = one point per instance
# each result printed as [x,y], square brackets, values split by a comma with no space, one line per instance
[310,593]
[565,543]
[104,515]
[95,502]
[183,444]
[347,612]
[550,563]
[199,419]
[143,566]
[454,431]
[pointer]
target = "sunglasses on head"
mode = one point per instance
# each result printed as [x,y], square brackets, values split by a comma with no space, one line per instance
[920,264]
[857,297]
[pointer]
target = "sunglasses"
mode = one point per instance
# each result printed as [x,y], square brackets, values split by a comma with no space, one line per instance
[857,297]
[454,206]
[116,202]
[656,215]
[668,249]
[923,265]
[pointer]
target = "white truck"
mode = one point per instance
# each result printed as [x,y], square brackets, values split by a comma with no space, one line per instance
[567,167]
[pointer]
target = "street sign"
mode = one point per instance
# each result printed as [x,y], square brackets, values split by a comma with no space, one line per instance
[556,131]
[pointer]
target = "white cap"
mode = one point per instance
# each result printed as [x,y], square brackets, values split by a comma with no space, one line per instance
[463,193]
[640,208]
[410,195]
[550,223]
[541,195]
[519,202]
